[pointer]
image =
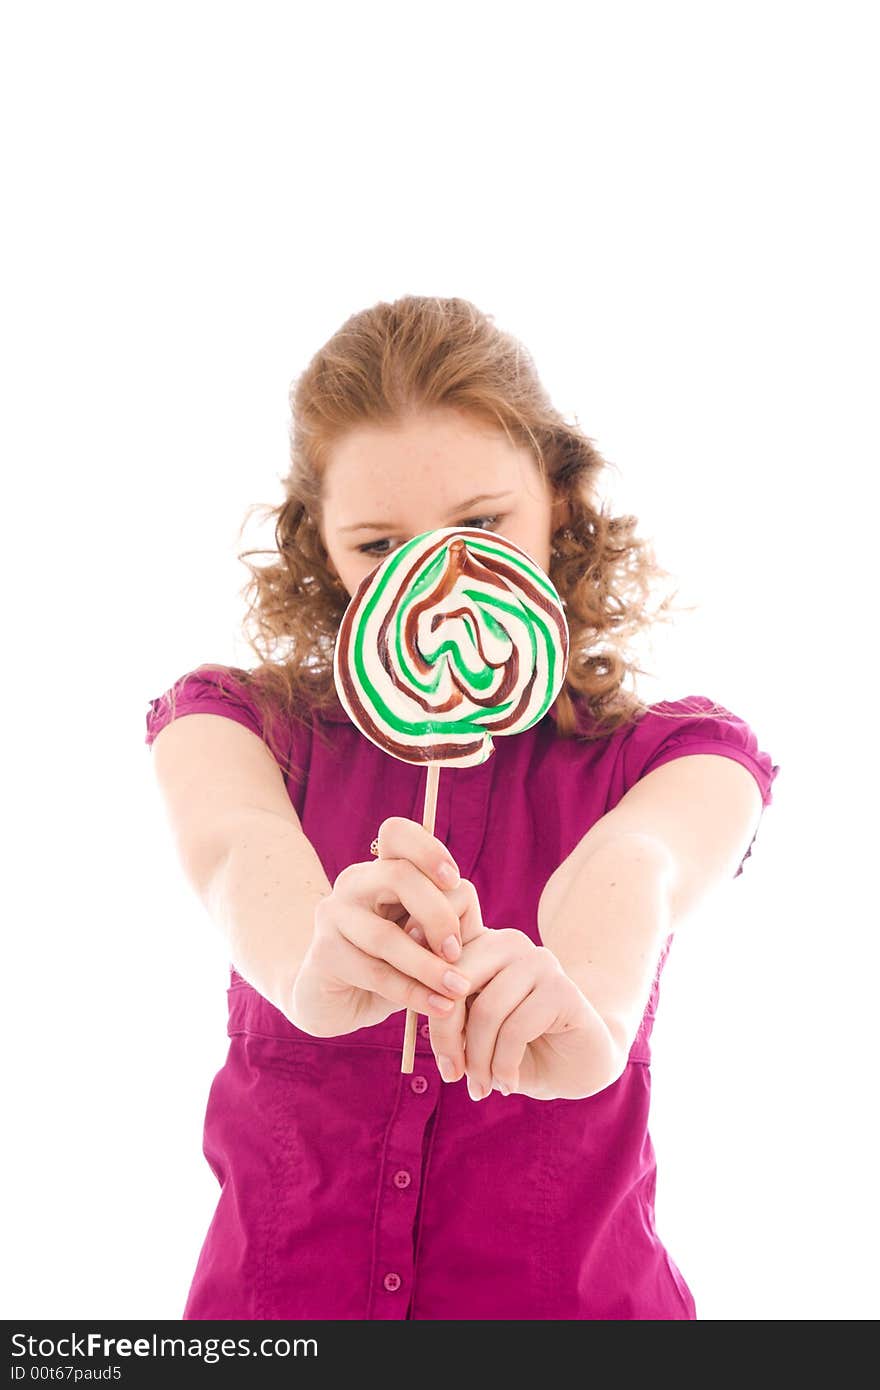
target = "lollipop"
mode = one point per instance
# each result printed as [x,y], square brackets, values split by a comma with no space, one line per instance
[454,638]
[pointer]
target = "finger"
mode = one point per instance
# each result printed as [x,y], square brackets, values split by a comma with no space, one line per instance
[400,838]
[369,972]
[385,942]
[467,904]
[437,912]
[481,960]
[471,922]
[489,1016]
[395,889]
[446,1029]
[490,951]
[447,1040]
[533,1018]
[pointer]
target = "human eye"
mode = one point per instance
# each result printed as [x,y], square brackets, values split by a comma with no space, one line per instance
[371,547]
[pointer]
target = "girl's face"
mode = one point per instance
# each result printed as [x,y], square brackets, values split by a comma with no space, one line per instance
[383,485]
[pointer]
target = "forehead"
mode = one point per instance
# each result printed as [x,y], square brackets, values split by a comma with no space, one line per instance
[452,454]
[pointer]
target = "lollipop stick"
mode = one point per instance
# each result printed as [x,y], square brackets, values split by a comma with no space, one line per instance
[409,1037]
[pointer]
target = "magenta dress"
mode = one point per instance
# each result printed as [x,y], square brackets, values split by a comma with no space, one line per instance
[349,1190]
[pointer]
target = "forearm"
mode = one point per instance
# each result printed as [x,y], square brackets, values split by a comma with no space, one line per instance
[263,897]
[607,928]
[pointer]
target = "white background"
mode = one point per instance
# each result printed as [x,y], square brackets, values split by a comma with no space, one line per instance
[673,207]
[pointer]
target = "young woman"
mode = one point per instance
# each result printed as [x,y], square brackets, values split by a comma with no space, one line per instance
[512,1174]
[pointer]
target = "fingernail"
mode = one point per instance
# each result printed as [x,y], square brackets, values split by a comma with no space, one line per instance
[475,1090]
[451,948]
[419,936]
[504,1089]
[447,1070]
[439,1001]
[448,874]
[455,982]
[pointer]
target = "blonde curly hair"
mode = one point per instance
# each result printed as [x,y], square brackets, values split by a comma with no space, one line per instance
[390,362]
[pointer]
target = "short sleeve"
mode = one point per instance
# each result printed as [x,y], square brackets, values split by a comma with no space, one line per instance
[205,690]
[676,728]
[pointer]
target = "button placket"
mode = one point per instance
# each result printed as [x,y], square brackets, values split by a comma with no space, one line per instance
[393,1251]
[468,809]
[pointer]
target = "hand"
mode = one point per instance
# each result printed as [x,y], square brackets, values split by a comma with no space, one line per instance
[527,1027]
[362,964]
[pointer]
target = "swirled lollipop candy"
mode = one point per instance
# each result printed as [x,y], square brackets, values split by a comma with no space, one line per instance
[454,638]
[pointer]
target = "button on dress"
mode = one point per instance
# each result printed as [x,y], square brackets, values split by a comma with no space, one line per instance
[350,1190]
